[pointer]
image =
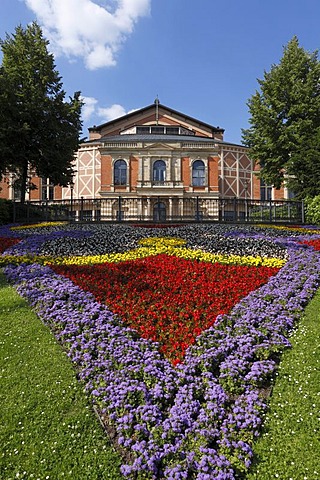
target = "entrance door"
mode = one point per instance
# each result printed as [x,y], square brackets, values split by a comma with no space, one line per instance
[159,212]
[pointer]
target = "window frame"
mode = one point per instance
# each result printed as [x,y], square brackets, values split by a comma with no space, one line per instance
[265,191]
[120,173]
[197,179]
[47,189]
[159,174]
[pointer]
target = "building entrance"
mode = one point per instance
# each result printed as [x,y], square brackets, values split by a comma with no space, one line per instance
[159,212]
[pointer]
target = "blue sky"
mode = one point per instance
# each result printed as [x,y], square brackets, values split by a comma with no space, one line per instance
[201,57]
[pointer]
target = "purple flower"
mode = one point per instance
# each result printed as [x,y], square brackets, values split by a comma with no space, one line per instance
[199,420]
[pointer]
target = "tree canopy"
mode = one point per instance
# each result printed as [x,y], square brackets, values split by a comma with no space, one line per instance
[39,129]
[284,136]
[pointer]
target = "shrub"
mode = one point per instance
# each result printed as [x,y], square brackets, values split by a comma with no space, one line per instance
[313,210]
[5,211]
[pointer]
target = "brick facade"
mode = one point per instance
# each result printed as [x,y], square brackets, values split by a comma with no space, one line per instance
[164,153]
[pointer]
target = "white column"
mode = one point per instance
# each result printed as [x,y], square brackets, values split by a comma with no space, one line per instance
[168,162]
[238,174]
[170,207]
[140,169]
[147,169]
[139,207]
[181,206]
[222,172]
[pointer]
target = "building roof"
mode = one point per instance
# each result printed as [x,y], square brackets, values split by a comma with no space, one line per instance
[149,107]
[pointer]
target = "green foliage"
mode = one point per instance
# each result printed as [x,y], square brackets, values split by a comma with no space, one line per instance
[5,211]
[284,137]
[39,130]
[289,446]
[48,429]
[312,206]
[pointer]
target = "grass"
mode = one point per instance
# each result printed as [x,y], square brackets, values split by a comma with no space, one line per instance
[289,447]
[48,429]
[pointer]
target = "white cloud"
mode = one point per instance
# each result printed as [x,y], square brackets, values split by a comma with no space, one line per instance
[88,108]
[110,113]
[94,31]
[91,111]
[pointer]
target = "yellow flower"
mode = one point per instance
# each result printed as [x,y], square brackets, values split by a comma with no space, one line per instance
[37,225]
[292,229]
[149,247]
[170,246]
[162,241]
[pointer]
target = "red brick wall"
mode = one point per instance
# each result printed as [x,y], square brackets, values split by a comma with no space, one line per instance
[58,192]
[35,194]
[134,170]
[185,172]
[106,173]
[213,174]
[256,184]
[276,194]
[4,189]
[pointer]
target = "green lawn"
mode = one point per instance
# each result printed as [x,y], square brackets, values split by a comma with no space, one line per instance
[48,430]
[290,445]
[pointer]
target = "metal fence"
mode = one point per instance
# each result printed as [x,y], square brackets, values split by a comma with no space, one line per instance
[161,209]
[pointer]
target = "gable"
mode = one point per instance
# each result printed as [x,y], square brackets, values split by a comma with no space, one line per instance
[158,146]
[155,114]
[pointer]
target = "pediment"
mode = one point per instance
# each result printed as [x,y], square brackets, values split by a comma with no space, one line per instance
[158,145]
[154,115]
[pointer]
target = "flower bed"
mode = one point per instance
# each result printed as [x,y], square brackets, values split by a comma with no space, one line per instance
[157,225]
[6,243]
[312,243]
[166,299]
[198,420]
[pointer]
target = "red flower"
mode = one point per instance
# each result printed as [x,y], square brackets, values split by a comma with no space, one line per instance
[312,243]
[6,243]
[168,299]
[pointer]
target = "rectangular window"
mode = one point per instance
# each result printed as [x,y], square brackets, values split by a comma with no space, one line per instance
[51,192]
[143,130]
[47,189]
[157,130]
[43,192]
[172,130]
[265,191]
[17,194]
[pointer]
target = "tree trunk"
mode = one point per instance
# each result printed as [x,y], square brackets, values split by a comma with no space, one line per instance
[23,180]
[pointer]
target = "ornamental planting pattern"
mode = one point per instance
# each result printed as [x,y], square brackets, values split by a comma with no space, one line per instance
[191,417]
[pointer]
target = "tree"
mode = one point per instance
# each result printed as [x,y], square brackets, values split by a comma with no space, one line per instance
[39,130]
[313,210]
[284,136]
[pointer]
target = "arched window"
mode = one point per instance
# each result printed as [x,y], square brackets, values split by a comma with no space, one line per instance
[198,173]
[159,171]
[120,172]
